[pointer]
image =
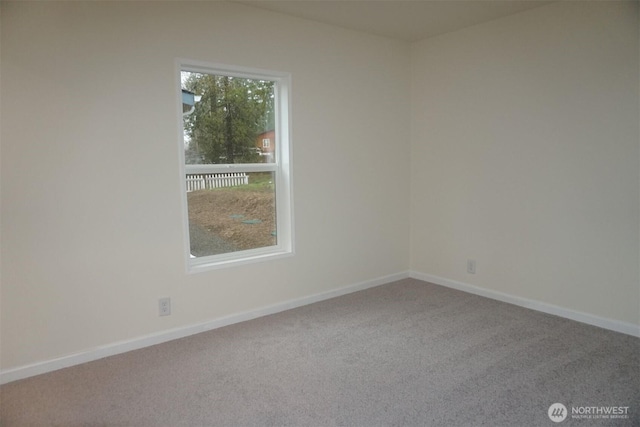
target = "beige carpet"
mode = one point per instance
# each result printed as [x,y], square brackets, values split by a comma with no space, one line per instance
[406,353]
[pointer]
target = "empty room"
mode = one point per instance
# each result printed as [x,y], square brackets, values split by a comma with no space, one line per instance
[319,213]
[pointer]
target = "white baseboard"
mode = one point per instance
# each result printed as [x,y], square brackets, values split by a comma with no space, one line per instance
[613,325]
[100,352]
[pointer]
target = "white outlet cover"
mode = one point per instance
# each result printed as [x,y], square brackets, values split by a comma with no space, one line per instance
[164,306]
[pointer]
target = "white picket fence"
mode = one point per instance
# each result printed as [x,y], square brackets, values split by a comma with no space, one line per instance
[215,180]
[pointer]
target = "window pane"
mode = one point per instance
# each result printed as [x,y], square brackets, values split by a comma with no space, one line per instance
[231,212]
[228,119]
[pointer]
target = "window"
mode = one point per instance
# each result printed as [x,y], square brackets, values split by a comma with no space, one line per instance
[237,207]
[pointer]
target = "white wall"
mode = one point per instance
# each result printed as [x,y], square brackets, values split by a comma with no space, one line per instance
[91,217]
[525,157]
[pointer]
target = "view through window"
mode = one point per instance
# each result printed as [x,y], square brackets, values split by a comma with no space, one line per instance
[234,165]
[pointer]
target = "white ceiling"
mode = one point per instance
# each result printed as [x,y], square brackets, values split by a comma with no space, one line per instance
[400,19]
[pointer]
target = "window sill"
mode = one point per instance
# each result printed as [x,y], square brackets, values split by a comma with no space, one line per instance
[216,262]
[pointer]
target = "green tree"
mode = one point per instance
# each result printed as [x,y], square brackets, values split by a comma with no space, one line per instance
[226,121]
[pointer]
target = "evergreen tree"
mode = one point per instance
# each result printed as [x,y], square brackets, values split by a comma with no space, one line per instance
[226,121]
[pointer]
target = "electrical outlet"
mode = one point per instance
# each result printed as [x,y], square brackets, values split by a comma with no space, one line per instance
[471,266]
[164,306]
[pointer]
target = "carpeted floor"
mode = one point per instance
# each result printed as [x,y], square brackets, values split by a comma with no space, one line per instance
[406,353]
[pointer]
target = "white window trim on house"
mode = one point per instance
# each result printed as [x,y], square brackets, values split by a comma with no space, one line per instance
[281,168]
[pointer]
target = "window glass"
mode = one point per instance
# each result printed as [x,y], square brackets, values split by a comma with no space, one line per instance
[229,120]
[231,212]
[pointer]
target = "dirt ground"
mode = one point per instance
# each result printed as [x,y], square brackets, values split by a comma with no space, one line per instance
[227,220]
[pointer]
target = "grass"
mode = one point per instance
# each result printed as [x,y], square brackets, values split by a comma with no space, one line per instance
[258,181]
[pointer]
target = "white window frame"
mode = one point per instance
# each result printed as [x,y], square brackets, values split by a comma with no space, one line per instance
[281,167]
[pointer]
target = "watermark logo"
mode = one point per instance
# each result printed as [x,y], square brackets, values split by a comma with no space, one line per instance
[557,412]
[599,412]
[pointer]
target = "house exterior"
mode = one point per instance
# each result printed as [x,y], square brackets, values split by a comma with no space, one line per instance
[188,101]
[266,145]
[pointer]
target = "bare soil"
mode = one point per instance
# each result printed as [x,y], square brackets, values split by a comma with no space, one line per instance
[226,220]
